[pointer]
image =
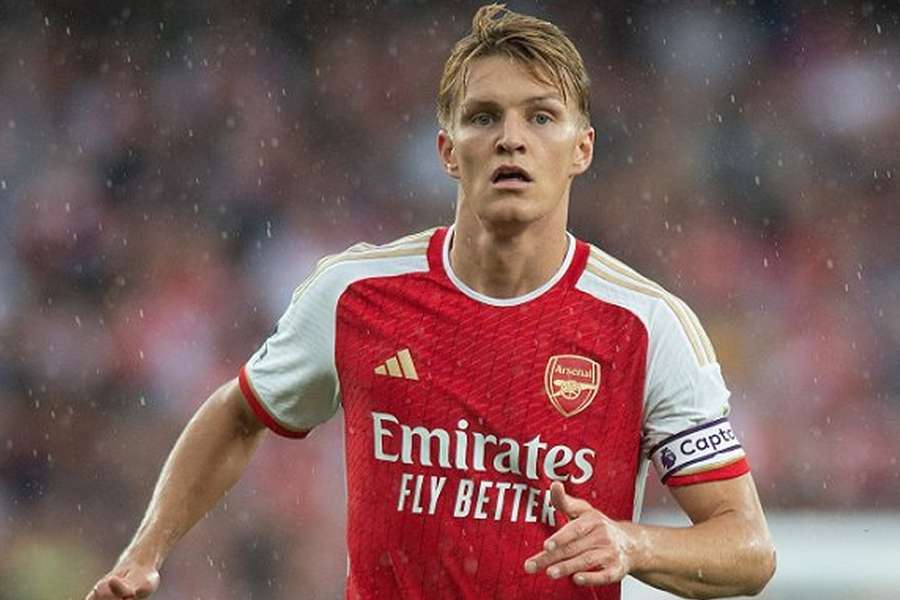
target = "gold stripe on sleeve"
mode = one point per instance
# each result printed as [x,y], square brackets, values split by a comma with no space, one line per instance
[629,279]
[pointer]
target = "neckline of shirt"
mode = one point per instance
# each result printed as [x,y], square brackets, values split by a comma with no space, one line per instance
[479,297]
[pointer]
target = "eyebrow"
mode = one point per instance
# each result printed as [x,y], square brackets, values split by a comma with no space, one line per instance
[480,102]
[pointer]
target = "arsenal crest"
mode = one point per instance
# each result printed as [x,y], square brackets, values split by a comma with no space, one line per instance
[571,382]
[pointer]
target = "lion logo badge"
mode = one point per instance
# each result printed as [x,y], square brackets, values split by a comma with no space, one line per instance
[571,382]
[668,458]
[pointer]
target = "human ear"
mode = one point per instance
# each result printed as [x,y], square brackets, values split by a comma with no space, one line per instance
[447,154]
[584,151]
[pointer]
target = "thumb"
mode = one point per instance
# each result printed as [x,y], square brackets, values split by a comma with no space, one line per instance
[570,505]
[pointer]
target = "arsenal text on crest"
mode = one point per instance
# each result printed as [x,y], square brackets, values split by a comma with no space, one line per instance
[571,382]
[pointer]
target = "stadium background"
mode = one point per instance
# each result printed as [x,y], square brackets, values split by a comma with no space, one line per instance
[170,171]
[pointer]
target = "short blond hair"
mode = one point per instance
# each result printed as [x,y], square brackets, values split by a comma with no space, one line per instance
[541,47]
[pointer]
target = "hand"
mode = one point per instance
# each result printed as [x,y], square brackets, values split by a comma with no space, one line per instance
[127,581]
[592,547]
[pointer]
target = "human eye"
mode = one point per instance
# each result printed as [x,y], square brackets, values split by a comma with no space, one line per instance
[543,118]
[482,119]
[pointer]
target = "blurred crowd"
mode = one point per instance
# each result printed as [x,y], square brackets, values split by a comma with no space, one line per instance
[169,172]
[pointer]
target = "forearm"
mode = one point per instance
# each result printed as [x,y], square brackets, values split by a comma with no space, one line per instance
[208,458]
[726,555]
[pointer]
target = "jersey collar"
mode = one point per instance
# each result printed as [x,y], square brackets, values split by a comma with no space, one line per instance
[515,301]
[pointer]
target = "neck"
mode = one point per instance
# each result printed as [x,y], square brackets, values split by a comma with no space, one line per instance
[507,261]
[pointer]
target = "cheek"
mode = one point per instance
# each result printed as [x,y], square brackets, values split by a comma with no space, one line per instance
[470,155]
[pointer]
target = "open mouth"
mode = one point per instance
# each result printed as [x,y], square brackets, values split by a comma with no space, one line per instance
[510,173]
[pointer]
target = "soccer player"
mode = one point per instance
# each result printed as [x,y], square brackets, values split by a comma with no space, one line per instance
[505,386]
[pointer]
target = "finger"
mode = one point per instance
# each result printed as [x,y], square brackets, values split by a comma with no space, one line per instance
[586,561]
[103,591]
[605,576]
[545,558]
[120,588]
[148,586]
[571,506]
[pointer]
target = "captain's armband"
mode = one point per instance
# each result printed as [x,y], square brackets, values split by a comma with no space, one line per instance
[707,452]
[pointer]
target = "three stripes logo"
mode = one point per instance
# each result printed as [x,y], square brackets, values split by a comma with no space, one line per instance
[400,365]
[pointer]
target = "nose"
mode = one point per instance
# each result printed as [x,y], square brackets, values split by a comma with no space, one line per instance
[512,136]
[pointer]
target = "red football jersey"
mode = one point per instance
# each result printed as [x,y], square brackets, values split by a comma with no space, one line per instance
[461,409]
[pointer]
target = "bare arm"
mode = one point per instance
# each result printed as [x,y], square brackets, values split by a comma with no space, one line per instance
[726,552]
[208,458]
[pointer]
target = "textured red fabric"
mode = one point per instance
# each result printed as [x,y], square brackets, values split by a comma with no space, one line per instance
[484,364]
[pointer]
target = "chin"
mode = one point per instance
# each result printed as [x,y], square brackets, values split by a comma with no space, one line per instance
[509,213]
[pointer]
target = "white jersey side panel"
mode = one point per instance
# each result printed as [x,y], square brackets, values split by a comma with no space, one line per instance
[293,373]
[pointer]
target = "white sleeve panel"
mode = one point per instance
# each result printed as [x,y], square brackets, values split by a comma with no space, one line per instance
[683,385]
[681,393]
[293,373]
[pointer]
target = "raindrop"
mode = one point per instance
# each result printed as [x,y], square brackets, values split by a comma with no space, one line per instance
[268,229]
[141,354]
[143,401]
[2,184]
[830,264]
[878,28]
[756,180]
[78,320]
[765,263]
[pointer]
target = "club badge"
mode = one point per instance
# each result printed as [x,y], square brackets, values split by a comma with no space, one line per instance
[571,382]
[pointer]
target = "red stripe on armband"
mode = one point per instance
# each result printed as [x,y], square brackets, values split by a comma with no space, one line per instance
[735,469]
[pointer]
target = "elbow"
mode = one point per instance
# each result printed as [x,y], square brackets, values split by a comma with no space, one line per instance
[765,563]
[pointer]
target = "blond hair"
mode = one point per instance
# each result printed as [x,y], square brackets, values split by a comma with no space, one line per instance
[541,47]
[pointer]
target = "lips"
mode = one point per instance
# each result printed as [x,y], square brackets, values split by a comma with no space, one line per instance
[510,173]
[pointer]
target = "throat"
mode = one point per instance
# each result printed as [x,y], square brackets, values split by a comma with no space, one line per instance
[506,268]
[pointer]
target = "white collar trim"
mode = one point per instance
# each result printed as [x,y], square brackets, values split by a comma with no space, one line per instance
[462,287]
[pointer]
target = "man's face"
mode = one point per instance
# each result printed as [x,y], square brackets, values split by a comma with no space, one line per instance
[515,146]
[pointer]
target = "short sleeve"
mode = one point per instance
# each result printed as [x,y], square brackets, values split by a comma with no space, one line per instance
[686,432]
[291,381]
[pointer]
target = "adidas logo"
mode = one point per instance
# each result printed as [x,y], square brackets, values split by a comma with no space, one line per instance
[399,365]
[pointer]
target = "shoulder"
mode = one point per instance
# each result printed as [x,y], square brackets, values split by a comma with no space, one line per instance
[611,280]
[334,273]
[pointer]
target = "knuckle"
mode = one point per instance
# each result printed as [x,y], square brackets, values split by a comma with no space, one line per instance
[583,527]
[594,558]
[586,562]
